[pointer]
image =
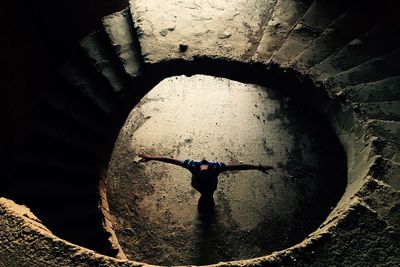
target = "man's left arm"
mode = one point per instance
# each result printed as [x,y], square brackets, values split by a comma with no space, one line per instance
[234,167]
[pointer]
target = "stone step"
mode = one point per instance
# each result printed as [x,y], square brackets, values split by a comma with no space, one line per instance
[51,177]
[50,187]
[359,18]
[320,14]
[387,138]
[78,221]
[387,110]
[373,70]
[61,214]
[78,109]
[389,130]
[83,75]
[89,234]
[207,29]
[123,37]
[59,133]
[59,159]
[383,90]
[285,15]
[381,39]
[91,152]
[391,175]
[34,141]
[97,47]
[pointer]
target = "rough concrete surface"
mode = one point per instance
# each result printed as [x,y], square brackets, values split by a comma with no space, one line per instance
[380,40]
[361,230]
[337,34]
[320,14]
[286,14]
[187,29]
[98,48]
[367,72]
[123,37]
[154,206]
[26,242]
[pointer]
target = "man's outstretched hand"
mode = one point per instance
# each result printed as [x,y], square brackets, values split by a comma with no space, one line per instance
[265,168]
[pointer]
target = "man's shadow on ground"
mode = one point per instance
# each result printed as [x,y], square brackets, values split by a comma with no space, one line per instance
[207,231]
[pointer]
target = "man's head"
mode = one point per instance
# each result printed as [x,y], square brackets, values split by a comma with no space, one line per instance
[203,165]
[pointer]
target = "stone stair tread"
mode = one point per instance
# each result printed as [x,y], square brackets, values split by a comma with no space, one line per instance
[89,235]
[391,175]
[387,110]
[86,235]
[67,213]
[373,70]
[320,14]
[97,47]
[383,90]
[192,29]
[386,138]
[54,188]
[80,75]
[27,172]
[83,112]
[92,129]
[66,138]
[121,33]
[78,221]
[59,161]
[41,143]
[339,33]
[389,130]
[381,39]
[285,15]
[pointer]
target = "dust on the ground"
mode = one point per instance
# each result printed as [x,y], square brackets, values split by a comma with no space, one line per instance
[154,207]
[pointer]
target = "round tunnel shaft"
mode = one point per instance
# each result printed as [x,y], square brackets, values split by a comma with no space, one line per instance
[153,205]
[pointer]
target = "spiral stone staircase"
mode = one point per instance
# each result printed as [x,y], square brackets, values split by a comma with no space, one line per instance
[341,57]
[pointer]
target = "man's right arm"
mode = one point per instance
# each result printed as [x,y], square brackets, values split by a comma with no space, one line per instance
[170,160]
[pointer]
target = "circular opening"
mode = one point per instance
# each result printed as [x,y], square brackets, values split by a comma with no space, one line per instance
[154,207]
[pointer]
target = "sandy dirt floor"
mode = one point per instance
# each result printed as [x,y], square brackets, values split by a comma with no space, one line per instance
[154,207]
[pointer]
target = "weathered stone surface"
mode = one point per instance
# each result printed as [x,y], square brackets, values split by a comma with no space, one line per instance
[98,48]
[378,41]
[208,28]
[388,110]
[68,106]
[390,130]
[24,241]
[383,90]
[286,14]
[358,236]
[77,74]
[311,25]
[384,200]
[337,34]
[361,231]
[392,174]
[373,70]
[66,134]
[123,37]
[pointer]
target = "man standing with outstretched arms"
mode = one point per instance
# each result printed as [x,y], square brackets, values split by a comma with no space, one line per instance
[205,174]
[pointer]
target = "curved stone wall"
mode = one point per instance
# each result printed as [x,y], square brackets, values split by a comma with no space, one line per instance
[358,95]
